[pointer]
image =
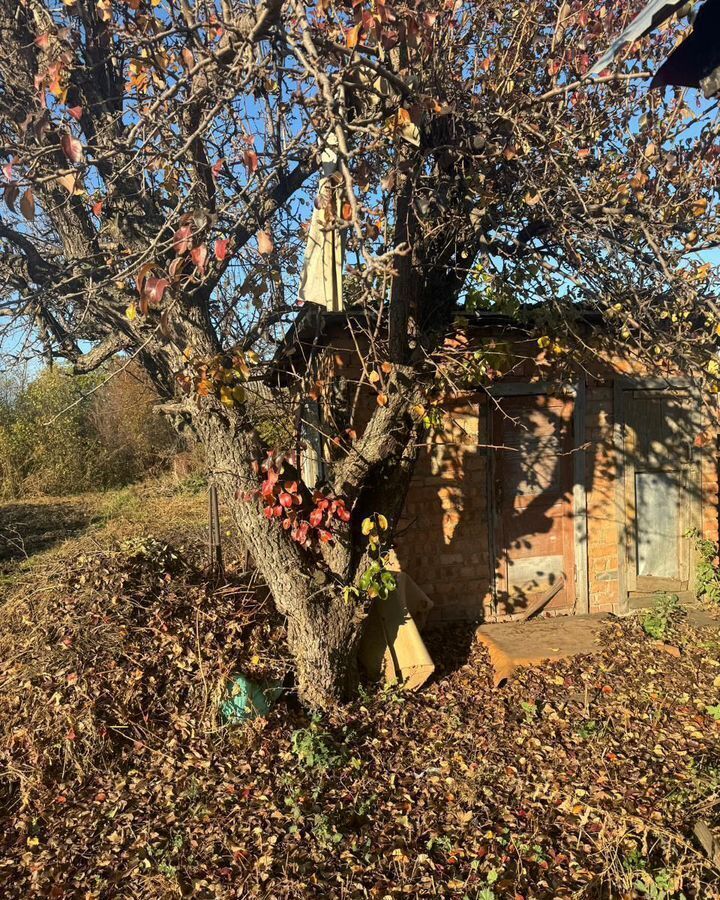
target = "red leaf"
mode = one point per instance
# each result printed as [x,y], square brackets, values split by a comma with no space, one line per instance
[155,288]
[199,256]
[11,194]
[343,514]
[217,167]
[176,266]
[182,240]
[325,536]
[72,148]
[250,159]
[76,112]
[97,208]
[268,512]
[316,517]
[142,274]
[221,248]
[7,170]
[285,499]
[42,40]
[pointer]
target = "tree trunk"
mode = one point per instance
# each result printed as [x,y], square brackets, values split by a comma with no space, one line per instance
[323,637]
[323,628]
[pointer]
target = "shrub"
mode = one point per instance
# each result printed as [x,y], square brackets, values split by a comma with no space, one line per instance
[135,439]
[63,434]
[40,453]
[707,575]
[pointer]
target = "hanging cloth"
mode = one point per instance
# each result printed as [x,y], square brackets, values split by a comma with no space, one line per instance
[321,278]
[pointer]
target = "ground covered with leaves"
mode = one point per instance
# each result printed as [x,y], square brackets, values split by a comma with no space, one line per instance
[118,778]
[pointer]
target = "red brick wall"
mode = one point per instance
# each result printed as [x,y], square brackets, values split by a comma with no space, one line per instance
[603,515]
[443,540]
[443,537]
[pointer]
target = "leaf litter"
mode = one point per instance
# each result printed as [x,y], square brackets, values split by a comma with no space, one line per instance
[118,778]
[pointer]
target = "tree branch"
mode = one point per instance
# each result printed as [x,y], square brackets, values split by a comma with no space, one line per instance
[93,359]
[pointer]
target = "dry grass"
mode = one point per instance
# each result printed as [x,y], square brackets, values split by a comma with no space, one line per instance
[36,530]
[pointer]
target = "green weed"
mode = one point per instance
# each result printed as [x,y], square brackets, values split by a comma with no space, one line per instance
[659,621]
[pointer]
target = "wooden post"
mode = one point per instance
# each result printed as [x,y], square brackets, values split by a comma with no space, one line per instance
[214,539]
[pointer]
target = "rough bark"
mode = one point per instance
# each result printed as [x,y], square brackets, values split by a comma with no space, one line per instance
[323,628]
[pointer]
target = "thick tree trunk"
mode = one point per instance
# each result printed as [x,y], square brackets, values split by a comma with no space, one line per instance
[323,637]
[323,629]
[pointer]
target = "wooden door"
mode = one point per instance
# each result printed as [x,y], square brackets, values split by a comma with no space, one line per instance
[660,479]
[533,496]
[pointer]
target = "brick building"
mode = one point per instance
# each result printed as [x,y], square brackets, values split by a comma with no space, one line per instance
[582,492]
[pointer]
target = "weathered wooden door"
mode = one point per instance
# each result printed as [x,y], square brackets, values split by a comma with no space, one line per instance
[533,497]
[658,490]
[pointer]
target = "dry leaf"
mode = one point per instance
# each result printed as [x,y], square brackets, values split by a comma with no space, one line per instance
[265,243]
[27,205]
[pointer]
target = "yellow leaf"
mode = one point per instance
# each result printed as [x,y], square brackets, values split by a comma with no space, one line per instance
[374,376]
[131,312]
[699,206]
[382,399]
[367,526]
[532,198]
[418,411]
[382,522]
[352,36]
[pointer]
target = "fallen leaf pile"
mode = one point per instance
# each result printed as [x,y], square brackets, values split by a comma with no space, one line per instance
[118,779]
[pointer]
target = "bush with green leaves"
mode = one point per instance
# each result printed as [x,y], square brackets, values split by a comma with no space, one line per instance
[46,442]
[62,434]
[707,573]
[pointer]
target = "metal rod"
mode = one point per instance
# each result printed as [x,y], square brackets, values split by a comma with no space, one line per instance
[214,538]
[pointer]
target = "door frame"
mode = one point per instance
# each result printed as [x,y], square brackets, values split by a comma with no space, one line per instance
[575,391]
[620,386]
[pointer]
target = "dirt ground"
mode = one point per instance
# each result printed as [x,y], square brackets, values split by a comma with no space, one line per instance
[118,777]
